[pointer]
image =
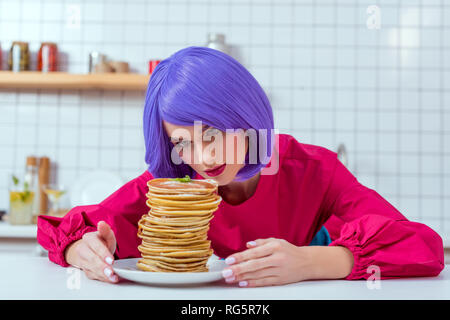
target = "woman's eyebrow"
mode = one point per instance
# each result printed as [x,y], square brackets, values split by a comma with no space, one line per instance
[175,139]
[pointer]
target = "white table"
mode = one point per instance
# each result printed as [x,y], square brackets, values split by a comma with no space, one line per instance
[38,278]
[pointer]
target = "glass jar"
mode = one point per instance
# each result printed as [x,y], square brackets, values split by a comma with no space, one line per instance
[217,41]
[48,57]
[19,57]
[21,200]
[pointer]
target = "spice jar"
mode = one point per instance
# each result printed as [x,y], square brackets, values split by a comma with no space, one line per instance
[48,57]
[152,65]
[19,56]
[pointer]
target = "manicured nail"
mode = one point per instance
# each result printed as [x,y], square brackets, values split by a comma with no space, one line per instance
[113,278]
[107,272]
[251,243]
[230,260]
[227,273]
[109,260]
[232,278]
[243,283]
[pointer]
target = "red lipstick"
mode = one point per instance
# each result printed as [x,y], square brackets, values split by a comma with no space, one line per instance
[215,171]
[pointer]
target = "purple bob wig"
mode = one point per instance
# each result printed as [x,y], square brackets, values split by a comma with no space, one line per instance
[202,84]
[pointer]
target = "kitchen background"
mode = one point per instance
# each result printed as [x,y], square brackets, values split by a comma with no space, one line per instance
[376,79]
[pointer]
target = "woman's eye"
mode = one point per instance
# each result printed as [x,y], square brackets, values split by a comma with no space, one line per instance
[211,132]
[183,144]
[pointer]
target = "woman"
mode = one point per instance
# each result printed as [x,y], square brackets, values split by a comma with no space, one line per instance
[271,210]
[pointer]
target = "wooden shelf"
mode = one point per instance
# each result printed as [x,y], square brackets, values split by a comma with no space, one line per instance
[63,80]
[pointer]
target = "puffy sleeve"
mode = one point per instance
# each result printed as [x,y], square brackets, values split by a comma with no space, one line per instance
[378,234]
[121,210]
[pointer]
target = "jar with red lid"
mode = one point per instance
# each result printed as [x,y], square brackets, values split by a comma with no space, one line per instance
[48,57]
[152,65]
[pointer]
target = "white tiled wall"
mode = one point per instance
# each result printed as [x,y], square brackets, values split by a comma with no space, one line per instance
[383,92]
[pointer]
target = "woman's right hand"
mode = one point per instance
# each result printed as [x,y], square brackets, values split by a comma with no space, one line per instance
[94,253]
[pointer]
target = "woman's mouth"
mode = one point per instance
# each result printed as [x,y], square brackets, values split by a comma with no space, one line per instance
[215,171]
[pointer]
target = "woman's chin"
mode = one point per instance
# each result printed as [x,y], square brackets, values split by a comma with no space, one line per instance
[220,179]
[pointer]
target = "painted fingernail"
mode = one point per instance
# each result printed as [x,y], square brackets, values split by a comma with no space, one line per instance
[107,272]
[251,243]
[230,260]
[232,278]
[243,283]
[109,260]
[113,278]
[227,273]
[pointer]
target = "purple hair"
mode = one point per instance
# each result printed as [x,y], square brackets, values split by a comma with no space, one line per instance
[202,84]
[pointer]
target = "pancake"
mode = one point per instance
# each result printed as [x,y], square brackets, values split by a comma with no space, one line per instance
[174,231]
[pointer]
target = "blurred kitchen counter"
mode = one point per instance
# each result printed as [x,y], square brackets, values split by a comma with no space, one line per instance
[19,240]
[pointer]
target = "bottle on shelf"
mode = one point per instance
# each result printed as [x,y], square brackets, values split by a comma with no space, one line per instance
[31,178]
[217,41]
[44,177]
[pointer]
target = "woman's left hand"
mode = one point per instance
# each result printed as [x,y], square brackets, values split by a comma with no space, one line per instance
[269,262]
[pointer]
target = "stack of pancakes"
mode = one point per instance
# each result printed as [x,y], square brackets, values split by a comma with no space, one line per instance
[174,231]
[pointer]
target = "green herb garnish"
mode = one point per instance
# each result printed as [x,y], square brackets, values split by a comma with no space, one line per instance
[185,179]
[15,180]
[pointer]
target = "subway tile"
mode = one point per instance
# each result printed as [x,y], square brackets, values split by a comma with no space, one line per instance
[324,139]
[198,13]
[323,99]
[387,164]
[388,121]
[430,186]
[89,136]
[110,137]
[178,13]
[409,121]
[131,159]
[47,135]
[26,135]
[366,120]
[302,119]
[430,142]
[89,158]
[282,119]
[135,12]
[68,136]
[11,10]
[388,142]
[365,99]
[409,164]
[410,208]
[430,121]
[132,138]
[409,186]
[324,120]
[157,12]
[7,158]
[67,157]
[30,31]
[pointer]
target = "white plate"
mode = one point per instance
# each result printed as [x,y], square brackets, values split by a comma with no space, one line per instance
[94,187]
[126,268]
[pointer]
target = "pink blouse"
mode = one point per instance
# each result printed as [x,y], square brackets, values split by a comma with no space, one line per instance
[311,189]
